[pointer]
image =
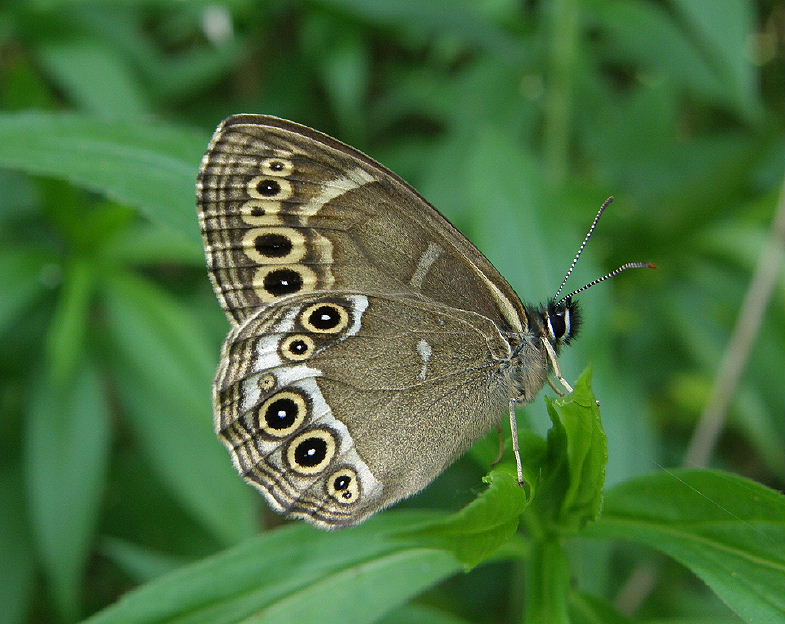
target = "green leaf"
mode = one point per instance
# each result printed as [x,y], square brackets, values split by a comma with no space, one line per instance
[139,563]
[449,17]
[146,165]
[723,28]
[587,452]
[147,244]
[586,609]
[20,272]
[417,614]
[69,326]
[500,173]
[728,530]
[95,76]
[17,574]
[637,27]
[67,445]
[341,57]
[294,574]
[478,530]
[569,492]
[165,371]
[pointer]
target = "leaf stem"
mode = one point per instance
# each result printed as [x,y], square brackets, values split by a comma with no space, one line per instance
[737,353]
[548,586]
[644,578]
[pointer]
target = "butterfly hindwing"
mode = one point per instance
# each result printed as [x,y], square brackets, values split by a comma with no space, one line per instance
[334,405]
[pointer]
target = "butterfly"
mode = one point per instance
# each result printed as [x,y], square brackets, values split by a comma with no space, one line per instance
[371,342]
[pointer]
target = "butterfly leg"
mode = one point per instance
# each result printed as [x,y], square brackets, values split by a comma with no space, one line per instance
[515,445]
[555,365]
[555,388]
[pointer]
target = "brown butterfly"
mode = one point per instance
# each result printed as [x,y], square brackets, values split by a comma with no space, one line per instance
[371,342]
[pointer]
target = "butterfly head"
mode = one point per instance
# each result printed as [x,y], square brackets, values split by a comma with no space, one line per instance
[561,321]
[561,318]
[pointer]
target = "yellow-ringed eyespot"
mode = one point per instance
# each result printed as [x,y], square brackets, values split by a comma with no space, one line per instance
[324,318]
[261,212]
[344,486]
[278,245]
[275,281]
[277,167]
[282,414]
[311,451]
[267,187]
[297,347]
[266,382]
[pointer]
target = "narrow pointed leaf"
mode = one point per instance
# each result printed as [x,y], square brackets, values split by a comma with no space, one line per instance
[17,574]
[164,371]
[728,530]
[478,530]
[67,444]
[143,164]
[294,574]
[20,271]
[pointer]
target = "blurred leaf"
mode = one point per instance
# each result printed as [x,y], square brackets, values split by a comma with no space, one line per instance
[164,378]
[20,271]
[448,17]
[693,619]
[762,429]
[479,529]
[723,28]
[353,575]
[67,445]
[417,614]
[140,563]
[637,27]
[146,244]
[192,71]
[23,87]
[342,57]
[506,176]
[728,530]
[94,76]
[152,167]
[66,339]
[17,574]
[586,609]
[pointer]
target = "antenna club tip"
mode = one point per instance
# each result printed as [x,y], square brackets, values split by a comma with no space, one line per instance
[651,265]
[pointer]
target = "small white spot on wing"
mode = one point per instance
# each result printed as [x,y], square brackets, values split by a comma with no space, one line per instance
[425,352]
[429,256]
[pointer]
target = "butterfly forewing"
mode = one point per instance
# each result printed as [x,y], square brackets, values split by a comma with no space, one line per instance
[287,210]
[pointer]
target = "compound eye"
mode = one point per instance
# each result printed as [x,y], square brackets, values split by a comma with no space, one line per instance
[557,325]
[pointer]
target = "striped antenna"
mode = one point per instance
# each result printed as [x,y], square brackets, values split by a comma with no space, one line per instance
[614,273]
[586,238]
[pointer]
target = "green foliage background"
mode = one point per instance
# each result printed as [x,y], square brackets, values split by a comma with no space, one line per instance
[516,118]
